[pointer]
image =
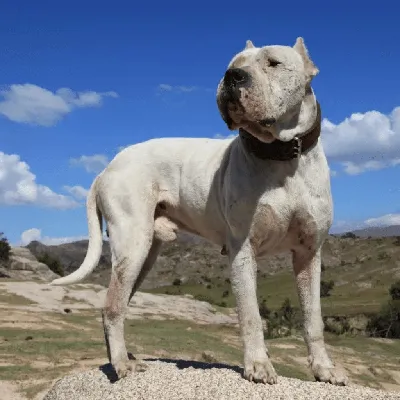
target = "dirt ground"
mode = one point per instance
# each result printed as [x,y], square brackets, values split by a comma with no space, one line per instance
[47,332]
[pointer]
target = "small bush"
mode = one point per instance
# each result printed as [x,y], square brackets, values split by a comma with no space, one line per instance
[394,291]
[265,312]
[202,297]
[336,325]
[387,322]
[349,235]
[53,263]
[397,241]
[226,293]
[383,256]
[326,287]
[5,248]
[177,282]
[282,322]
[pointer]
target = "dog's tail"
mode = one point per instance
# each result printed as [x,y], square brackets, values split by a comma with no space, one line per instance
[93,254]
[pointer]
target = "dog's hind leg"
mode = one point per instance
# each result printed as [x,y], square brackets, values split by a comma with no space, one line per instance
[133,250]
[148,264]
[307,268]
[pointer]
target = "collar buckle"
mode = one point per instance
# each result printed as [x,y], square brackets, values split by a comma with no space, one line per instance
[297,147]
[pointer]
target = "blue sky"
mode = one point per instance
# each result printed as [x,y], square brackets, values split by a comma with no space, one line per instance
[80,79]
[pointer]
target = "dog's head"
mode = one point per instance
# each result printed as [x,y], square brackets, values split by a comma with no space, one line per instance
[263,88]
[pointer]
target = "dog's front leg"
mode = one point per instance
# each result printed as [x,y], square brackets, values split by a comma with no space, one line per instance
[257,365]
[307,268]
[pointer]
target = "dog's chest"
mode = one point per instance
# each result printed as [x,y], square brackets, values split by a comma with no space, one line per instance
[274,229]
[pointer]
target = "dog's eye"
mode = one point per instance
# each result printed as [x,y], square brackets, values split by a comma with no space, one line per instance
[274,63]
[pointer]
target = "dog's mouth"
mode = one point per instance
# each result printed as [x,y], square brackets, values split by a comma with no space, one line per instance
[259,131]
[267,122]
[238,118]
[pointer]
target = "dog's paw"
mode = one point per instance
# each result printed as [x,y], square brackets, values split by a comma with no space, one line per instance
[124,368]
[335,376]
[261,371]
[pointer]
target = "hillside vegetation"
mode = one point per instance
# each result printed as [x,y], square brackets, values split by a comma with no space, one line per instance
[43,329]
[361,269]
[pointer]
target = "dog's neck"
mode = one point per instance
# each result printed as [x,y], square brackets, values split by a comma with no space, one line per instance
[284,150]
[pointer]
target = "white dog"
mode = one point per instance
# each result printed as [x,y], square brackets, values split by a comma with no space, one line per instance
[263,192]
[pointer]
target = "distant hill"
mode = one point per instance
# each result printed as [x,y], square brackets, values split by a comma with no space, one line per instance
[189,258]
[374,232]
[194,261]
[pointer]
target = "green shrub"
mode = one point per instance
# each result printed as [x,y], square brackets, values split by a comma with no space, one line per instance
[394,290]
[326,287]
[336,325]
[265,312]
[176,282]
[383,256]
[5,248]
[202,297]
[53,263]
[387,322]
[349,235]
[282,322]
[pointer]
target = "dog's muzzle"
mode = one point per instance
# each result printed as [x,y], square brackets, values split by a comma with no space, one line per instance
[229,98]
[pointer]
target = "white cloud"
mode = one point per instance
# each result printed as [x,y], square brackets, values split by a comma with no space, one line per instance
[36,234]
[77,191]
[226,136]
[384,220]
[346,226]
[95,163]
[363,142]
[30,235]
[32,104]
[165,87]
[18,186]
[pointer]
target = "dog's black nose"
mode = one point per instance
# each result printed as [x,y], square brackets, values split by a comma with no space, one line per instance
[236,77]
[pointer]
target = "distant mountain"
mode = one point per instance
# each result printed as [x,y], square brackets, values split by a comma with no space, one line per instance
[384,231]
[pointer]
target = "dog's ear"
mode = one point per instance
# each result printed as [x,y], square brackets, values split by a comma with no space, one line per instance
[311,69]
[249,45]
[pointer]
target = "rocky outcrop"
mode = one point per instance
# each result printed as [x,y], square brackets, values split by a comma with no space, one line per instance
[23,265]
[143,305]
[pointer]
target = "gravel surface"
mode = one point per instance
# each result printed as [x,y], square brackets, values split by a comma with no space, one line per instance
[184,380]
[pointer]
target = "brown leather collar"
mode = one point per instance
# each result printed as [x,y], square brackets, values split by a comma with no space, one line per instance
[283,151]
